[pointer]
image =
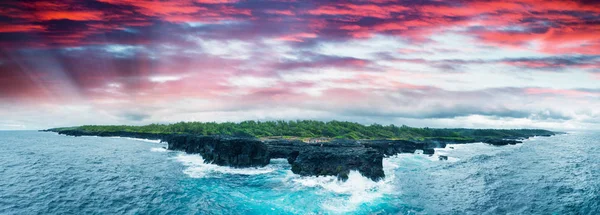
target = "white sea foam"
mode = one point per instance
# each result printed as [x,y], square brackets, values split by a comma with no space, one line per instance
[456,152]
[196,168]
[158,149]
[143,140]
[349,195]
[435,156]
[443,152]
[138,139]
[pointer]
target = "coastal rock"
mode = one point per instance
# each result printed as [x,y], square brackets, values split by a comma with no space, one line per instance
[501,142]
[339,161]
[334,158]
[393,147]
[428,151]
[282,148]
[223,151]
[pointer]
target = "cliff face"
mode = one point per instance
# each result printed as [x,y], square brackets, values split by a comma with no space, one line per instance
[338,161]
[392,147]
[224,151]
[335,158]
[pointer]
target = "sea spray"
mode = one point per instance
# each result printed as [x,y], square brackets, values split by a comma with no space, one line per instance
[138,139]
[197,168]
[348,196]
[342,197]
[143,140]
[456,152]
[156,149]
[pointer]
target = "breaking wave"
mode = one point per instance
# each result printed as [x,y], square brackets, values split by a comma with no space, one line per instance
[197,168]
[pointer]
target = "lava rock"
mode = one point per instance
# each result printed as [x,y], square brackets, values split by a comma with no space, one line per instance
[501,142]
[223,151]
[393,147]
[339,161]
[334,158]
[428,151]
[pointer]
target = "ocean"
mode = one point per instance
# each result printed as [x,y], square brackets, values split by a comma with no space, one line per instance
[46,173]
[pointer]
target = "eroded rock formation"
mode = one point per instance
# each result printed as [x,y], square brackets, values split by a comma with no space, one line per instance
[224,151]
[335,158]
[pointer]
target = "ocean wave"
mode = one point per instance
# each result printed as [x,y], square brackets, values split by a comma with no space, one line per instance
[137,139]
[156,149]
[196,168]
[143,140]
[349,195]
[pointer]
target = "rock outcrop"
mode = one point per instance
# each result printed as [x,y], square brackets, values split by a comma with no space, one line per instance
[334,158]
[392,147]
[224,151]
[501,142]
[428,151]
[339,161]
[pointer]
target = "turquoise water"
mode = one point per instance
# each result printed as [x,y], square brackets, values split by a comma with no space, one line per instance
[44,173]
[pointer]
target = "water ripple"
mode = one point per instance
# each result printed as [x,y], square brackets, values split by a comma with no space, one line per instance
[43,173]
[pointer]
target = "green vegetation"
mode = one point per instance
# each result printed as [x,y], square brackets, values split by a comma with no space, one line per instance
[313,129]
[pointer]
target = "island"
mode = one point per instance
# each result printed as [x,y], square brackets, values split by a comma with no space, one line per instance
[312,148]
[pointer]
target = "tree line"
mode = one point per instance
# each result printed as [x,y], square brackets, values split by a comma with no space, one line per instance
[314,129]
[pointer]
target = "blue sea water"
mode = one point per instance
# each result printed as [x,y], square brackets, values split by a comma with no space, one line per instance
[45,173]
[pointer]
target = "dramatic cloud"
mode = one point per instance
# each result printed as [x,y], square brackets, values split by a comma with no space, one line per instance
[558,62]
[516,63]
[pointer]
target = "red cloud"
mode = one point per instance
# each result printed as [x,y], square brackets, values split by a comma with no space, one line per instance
[568,34]
[186,10]
[223,13]
[157,8]
[561,5]
[563,40]
[281,12]
[360,10]
[72,15]
[46,10]
[216,1]
[4,28]
[298,37]
[472,9]
[555,27]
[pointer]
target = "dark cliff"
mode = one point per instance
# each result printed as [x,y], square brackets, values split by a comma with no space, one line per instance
[339,161]
[335,158]
[77,133]
[224,151]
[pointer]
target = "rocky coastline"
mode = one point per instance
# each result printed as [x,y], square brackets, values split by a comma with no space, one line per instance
[331,158]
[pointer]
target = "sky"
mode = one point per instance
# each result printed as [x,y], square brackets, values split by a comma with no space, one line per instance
[467,63]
